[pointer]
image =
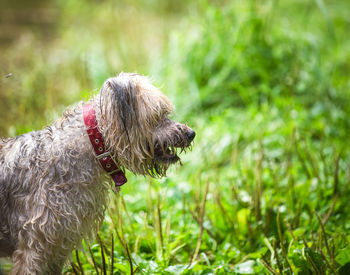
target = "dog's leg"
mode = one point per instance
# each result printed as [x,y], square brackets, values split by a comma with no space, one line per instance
[27,261]
[30,261]
[41,248]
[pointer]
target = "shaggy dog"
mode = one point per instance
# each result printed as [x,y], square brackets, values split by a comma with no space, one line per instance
[53,187]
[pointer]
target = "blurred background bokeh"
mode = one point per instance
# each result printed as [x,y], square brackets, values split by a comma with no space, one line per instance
[54,53]
[266,86]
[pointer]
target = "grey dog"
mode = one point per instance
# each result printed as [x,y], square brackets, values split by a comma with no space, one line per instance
[53,189]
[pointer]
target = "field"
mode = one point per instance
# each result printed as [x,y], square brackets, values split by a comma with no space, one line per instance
[265,85]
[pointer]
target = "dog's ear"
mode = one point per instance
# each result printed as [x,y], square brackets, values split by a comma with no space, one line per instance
[119,102]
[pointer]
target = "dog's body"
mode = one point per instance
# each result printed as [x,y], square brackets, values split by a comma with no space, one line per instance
[53,191]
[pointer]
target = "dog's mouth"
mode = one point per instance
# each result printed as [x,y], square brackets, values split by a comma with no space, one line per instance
[169,154]
[166,151]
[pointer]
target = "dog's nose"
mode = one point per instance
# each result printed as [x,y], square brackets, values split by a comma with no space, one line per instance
[190,135]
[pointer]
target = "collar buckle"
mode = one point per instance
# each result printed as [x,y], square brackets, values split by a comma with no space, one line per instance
[104,155]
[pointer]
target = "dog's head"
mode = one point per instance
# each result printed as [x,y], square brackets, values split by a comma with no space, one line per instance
[136,125]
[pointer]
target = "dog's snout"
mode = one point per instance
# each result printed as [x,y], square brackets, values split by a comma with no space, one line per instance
[190,135]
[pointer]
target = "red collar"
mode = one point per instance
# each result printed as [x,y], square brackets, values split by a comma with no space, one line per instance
[97,142]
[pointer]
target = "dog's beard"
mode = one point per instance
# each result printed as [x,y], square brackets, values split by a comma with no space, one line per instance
[155,168]
[147,157]
[157,160]
[166,154]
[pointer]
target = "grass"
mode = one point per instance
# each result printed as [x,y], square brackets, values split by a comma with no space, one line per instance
[265,85]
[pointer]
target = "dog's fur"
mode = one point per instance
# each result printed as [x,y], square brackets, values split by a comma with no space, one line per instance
[53,192]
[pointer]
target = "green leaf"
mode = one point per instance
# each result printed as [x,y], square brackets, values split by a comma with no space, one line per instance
[343,256]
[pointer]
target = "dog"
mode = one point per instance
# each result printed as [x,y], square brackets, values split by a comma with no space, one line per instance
[54,182]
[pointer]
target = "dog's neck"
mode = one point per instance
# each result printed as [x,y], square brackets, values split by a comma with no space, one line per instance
[97,141]
[115,137]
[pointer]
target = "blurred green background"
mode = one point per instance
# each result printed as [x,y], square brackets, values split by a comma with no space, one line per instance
[266,86]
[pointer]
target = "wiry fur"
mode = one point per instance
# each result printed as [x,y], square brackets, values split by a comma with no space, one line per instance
[53,192]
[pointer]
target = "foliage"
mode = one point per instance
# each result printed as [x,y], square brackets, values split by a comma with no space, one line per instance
[264,191]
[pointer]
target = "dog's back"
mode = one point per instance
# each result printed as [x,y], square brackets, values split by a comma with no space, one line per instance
[16,158]
[6,247]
